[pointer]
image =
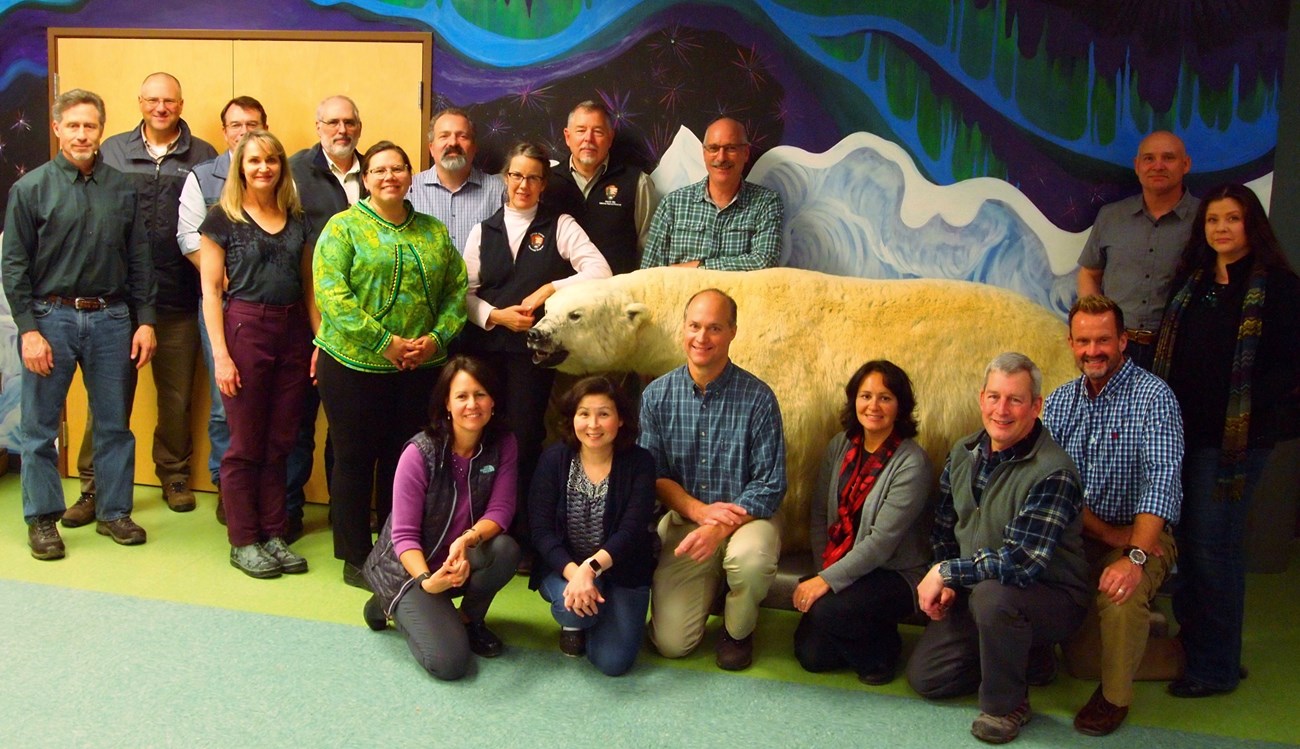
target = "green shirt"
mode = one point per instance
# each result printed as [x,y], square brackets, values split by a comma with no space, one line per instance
[743,235]
[376,279]
[72,235]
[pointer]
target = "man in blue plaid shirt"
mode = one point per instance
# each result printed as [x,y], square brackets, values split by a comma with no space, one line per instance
[1121,426]
[1009,579]
[715,432]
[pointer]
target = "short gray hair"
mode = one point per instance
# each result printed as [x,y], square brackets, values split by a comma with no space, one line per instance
[356,113]
[74,98]
[1011,363]
[591,105]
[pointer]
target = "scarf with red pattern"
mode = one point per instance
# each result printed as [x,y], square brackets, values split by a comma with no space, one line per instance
[862,468]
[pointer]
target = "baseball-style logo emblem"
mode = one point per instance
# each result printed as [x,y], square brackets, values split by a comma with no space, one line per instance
[536,241]
[611,192]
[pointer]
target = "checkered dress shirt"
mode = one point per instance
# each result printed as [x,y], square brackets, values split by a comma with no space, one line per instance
[475,201]
[745,235]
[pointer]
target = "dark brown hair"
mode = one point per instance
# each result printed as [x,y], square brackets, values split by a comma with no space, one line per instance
[439,427]
[599,385]
[898,383]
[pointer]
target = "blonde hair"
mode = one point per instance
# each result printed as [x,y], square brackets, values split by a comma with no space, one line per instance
[232,195]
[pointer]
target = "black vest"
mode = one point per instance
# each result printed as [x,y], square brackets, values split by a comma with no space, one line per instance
[505,281]
[607,214]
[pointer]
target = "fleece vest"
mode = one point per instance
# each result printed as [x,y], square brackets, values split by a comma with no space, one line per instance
[607,213]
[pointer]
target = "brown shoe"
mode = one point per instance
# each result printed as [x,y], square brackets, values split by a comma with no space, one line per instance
[1099,717]
[733,654]
[178,496]
[123,530]
[81,512]
[1000,729]
[43,538]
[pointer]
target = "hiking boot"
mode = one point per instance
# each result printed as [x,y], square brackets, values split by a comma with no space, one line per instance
[733,654]
[999,729]
[43,538]
[254,561]
[81,512]
[290,563]
[178,496]
[483,642]
[352,576]
[123,530]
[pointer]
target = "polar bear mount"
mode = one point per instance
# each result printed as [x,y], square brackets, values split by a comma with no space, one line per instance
[804,333]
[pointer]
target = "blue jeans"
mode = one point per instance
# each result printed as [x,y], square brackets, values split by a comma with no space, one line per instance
[100,341]
[218,430]
[615,633]
[1210,599]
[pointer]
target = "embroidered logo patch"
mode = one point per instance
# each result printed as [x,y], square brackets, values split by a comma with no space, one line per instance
[536,241]
[488,469]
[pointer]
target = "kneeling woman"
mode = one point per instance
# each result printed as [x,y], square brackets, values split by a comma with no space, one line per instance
[453,494]
[253,251]
[590,508]
[868,530]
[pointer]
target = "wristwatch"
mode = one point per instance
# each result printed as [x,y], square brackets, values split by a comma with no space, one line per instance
[1136,555]
[594,565]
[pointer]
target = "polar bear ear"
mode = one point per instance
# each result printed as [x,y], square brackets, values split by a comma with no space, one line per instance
[636,313]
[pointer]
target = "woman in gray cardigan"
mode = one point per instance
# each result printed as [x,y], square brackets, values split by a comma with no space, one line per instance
[869,531]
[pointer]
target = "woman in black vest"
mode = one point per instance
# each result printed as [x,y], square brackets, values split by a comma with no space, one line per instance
[1229,348]
[590,508]
[453,496]
[515,261]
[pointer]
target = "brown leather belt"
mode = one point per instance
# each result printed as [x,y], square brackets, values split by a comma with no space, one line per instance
[1141,337]
[84,303]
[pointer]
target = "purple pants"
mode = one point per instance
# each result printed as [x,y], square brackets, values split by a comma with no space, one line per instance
[271,348]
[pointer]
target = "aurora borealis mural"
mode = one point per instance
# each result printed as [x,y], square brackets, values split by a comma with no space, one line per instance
[952,138]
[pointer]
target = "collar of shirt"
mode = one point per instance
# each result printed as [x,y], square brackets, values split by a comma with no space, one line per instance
[1184,209]
[1017,451]
[475,178]
[583,183]
[71,171]
[339,174]
[739,199]
[158,152]
[718,385]
[1114,384]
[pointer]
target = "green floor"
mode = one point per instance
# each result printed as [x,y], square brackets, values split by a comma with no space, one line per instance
[220,659]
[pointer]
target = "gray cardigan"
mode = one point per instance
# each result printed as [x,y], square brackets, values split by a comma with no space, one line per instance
[894,532]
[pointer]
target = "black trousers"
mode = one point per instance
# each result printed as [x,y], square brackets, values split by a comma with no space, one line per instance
[857,627]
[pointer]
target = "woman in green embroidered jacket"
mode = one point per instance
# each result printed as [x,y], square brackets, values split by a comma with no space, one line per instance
[390,286]
[1230,350]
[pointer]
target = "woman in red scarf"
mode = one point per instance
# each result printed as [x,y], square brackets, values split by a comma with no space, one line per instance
[869,534]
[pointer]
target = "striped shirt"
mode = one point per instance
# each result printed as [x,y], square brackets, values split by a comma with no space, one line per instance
[1127,443]
[476,200]
[1028,540]
[722,444]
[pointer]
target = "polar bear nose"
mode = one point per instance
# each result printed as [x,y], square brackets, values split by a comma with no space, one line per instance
[535,338]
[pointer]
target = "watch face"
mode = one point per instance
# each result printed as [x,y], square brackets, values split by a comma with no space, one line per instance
[1137,556]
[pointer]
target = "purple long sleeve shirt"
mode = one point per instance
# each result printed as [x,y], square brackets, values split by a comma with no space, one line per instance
[411,483]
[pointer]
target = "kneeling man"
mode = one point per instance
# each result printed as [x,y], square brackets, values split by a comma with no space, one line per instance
[715,432]
[1009,578]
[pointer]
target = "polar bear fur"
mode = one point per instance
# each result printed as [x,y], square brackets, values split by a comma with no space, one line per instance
[804,333]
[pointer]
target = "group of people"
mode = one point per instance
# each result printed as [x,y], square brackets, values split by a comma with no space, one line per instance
[406,297]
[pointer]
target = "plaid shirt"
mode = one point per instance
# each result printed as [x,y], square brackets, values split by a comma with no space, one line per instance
[481,196]
[1127,443]
[1028,540]
[722,444]
[743,235]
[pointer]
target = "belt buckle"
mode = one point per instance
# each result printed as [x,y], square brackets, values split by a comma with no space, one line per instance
[88,303]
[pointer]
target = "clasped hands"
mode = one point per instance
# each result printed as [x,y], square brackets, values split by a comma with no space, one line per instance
[581,596]
[717,521]
[410,353]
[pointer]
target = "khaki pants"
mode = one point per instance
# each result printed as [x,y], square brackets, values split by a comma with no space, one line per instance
[1112,644]
[684,590]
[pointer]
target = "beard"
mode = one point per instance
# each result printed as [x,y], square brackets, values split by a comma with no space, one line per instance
[453,162]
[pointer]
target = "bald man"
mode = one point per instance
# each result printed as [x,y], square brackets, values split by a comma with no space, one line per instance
[721,222]
[1135,243]
[157,156]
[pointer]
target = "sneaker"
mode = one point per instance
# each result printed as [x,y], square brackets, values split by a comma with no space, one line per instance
[254,561]
[733,654]
[290,563]
[999,729]
[123,530]
[81,512]
[573,642]
[221,507]
[373,613]
[483,642]
[178,496]
[43,538]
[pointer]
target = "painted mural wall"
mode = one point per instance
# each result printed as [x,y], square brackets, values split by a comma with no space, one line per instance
[969,139]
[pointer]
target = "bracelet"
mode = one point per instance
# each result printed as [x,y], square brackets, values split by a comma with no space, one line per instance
[420,578]
[475,531]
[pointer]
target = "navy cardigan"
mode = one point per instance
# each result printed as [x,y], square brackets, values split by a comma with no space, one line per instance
[629,513]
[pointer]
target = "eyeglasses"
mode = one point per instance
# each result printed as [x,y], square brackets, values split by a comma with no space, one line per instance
[154,101]
[335,124]
[731,150]
[532,179]
[384,171]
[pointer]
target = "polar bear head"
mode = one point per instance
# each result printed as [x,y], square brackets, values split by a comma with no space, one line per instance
[597,326]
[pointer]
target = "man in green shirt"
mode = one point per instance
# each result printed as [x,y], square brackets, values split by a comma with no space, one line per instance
[79,277]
